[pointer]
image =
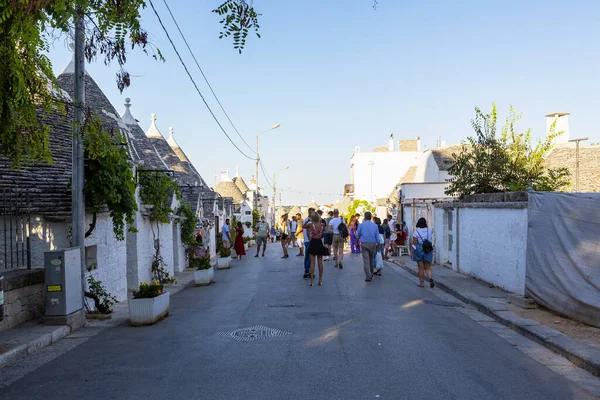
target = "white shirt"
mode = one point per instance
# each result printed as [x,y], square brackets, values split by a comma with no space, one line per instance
[294,226]
[423,234]
[304,224]
[225,232]
[335,223]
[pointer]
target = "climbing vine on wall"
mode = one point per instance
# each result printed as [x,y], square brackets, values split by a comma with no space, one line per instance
[109,179]
[188,222]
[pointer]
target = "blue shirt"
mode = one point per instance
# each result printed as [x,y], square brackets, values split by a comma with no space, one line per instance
[368,232]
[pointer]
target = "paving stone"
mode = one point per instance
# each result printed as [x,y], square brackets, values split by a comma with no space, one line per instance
[515,320]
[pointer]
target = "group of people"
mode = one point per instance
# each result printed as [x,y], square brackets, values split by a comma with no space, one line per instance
[325,238]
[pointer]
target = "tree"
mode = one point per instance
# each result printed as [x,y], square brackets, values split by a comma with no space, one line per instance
[359,206]
[488,163]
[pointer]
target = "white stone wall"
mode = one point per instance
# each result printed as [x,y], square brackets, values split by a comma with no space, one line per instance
[111,256]
[493,245]
[427,169]
[46,236]
[387,169]
[180,261]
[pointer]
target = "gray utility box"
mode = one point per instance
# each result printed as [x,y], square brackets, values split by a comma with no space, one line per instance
[63,282]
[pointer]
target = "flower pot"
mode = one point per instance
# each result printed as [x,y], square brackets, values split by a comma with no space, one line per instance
[149,311]
[223,262]
[204,277]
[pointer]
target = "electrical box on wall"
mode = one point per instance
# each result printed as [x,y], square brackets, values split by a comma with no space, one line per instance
[63,282]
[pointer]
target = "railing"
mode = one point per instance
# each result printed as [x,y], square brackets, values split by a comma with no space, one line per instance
[15,222]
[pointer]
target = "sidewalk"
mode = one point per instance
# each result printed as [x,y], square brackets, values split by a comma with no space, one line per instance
[533,324]
[18,342]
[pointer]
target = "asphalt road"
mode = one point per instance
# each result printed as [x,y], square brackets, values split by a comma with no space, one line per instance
[348,339]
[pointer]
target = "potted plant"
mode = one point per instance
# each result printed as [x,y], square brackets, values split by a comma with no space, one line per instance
[149,304]
[204,273]
[224,260]
[248,224]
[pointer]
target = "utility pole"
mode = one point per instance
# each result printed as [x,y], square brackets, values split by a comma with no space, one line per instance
[78,210]
[577,161]
[256,177]
[274,198]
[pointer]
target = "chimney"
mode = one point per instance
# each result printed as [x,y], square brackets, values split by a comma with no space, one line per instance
[225,176]
[391,143]
[562,125]
[418,143]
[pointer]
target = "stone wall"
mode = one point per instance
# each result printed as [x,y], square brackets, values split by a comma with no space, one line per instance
[24,297]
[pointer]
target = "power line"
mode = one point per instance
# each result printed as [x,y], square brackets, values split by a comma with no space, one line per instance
[194,83]
[262,167]
[204,76]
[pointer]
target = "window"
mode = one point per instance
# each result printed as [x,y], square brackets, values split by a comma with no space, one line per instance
[248,212]
[91,257]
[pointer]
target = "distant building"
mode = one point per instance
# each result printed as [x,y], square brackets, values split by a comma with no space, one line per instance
[375,173]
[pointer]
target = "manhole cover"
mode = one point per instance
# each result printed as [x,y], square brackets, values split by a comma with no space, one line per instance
[442,303]
[253,333]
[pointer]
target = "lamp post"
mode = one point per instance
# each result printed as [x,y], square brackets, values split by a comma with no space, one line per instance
[577,161]
[257,162]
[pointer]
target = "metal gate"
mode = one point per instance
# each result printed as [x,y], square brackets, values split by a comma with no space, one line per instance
[15,222]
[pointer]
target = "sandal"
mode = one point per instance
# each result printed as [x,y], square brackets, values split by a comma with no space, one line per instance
[431,283]
[421,284]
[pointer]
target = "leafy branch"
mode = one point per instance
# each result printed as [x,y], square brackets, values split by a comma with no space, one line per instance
[239,18]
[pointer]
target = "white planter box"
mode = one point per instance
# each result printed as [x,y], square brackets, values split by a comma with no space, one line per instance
[204,277]
[252,242]
[148,311]
[223,262]
[246,246]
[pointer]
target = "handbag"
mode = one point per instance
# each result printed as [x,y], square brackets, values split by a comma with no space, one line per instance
[378,260]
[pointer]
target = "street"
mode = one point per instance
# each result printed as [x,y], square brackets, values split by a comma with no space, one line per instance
[348,339]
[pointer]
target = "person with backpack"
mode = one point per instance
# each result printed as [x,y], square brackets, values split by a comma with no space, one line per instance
[422,251]
[340,233]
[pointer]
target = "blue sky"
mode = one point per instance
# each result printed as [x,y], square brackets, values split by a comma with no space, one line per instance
[336,74]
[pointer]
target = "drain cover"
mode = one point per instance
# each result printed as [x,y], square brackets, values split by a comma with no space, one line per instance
[442,303]
[253,333]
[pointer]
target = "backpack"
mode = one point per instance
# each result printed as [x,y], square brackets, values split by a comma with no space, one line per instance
[343,230]
[427,245]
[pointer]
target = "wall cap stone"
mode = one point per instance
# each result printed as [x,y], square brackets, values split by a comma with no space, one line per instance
[21,278]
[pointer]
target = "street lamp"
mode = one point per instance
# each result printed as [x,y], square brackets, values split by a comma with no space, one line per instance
[257,161]
[577,161]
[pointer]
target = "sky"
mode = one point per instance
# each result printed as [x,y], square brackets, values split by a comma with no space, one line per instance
[338,74]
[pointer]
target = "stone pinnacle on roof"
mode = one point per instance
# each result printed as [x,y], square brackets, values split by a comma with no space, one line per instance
[128,117]
[171,139]
[153,131]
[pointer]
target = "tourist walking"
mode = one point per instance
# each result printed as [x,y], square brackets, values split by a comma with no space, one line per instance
[285,235]
[378,262]
[272,234]
[300,235]
[338,239]
[328,234]
[226,236]
[368,234]
[293,227]
[422,251]
[317,250]
[353,244]
[239,241]
[387,237]
[262,232]
[356,225]
[307,243]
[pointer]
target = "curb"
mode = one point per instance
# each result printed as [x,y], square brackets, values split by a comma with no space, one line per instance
[580,354]
[35,343]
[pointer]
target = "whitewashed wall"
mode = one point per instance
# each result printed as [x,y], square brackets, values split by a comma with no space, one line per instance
[492,246]
[110,256]
[179,256]
[46,236]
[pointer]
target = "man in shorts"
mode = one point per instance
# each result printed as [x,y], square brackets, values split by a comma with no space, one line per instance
[328,235]
[262,232]
[338,240]
[226,237]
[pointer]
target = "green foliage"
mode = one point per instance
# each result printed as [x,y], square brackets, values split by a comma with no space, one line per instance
[155,192]
[359,206]
[488,163]
[148,290]
[255,218]
[27,30]
[248,224]
[105,299]
[223,252]
[109,179]
[159,272]
[200,263]
[239,18]
[188,222]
